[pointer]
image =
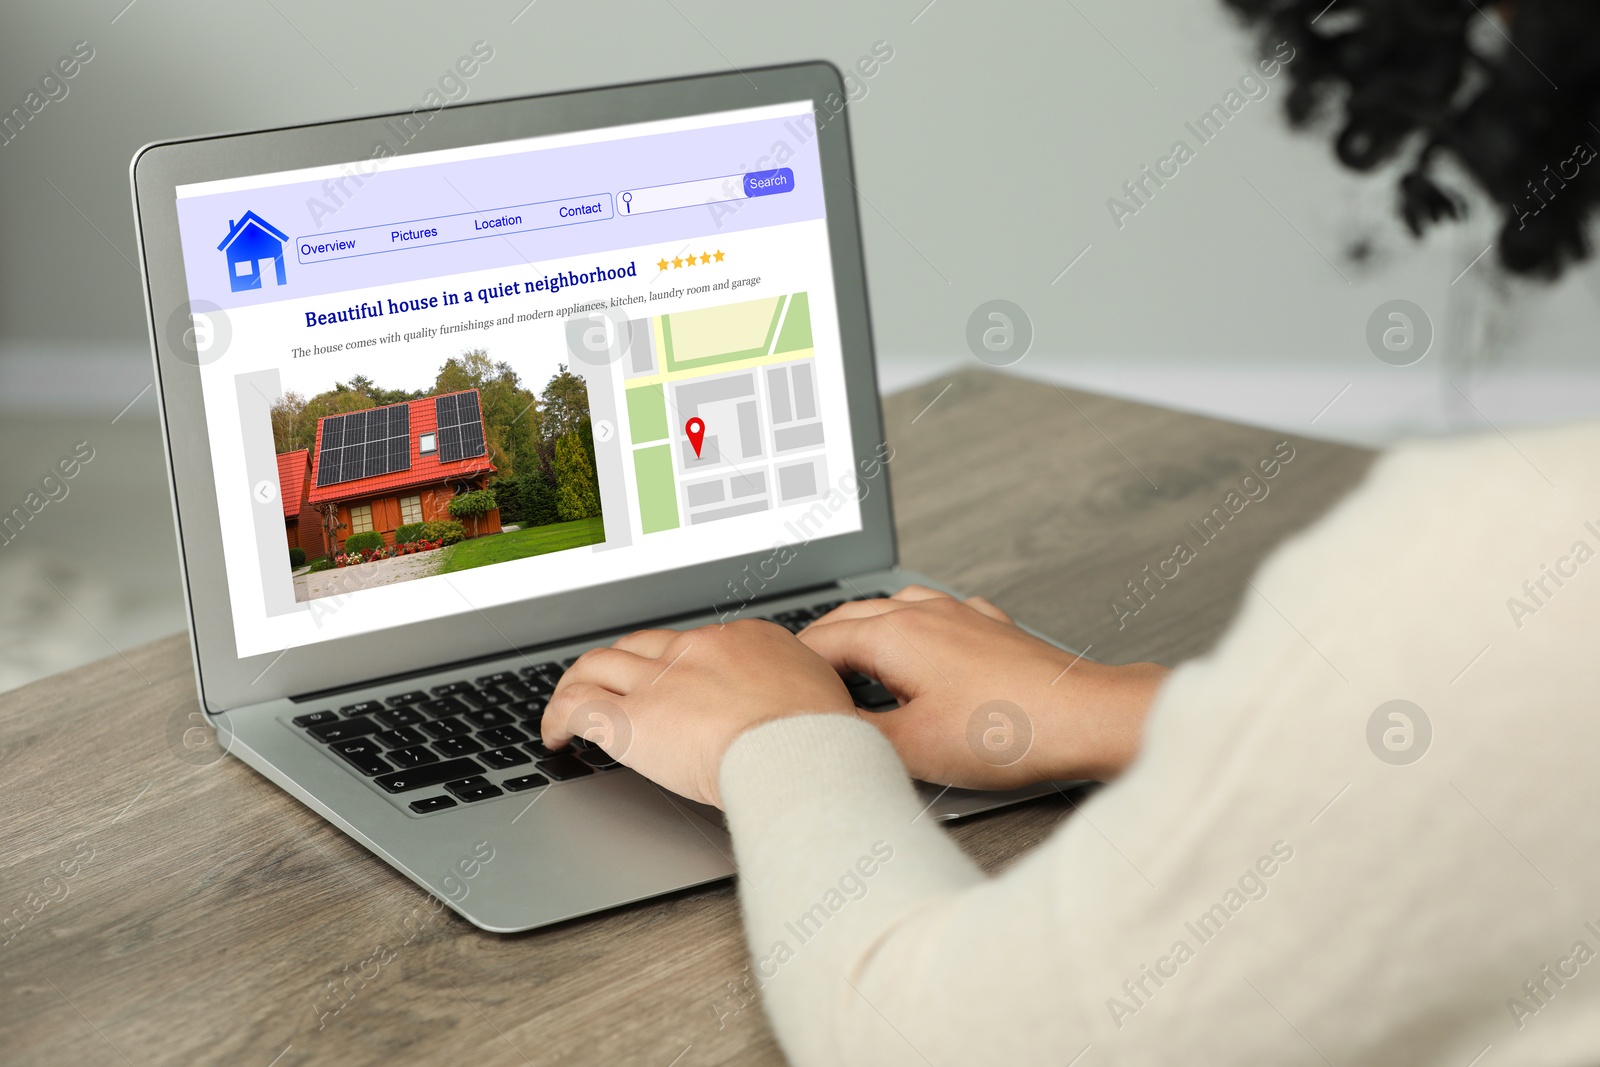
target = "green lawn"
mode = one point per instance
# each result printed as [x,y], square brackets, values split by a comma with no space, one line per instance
[500,547]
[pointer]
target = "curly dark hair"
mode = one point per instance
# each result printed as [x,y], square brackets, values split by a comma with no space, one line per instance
[1514,100]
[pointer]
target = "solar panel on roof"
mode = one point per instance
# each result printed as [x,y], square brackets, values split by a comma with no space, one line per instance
[327,466]
[460,427]
[364,444]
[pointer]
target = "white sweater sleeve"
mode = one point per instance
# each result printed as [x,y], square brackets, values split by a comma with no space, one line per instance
[1272,881]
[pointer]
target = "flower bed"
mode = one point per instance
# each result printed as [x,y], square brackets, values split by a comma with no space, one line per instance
[351,559]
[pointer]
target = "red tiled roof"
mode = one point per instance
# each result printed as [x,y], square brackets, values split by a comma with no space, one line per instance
[292,468]
[425,470]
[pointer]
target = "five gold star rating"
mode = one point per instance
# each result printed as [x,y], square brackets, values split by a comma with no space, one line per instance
[679,262]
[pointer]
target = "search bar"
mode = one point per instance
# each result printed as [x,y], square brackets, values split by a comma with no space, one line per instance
[704,191]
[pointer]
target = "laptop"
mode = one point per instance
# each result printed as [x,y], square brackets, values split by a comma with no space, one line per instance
[450,396]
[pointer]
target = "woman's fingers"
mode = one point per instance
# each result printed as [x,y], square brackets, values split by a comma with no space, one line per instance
[611,668]
[983,604]
[561,714]
[862,609]
[920,592]
[851,644]
[651,644]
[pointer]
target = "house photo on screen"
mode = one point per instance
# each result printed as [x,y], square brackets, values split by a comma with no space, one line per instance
[468,467]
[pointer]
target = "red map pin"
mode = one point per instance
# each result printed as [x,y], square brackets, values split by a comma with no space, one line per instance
[697,434]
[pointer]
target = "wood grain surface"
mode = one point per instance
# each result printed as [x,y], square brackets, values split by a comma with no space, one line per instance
[163,906]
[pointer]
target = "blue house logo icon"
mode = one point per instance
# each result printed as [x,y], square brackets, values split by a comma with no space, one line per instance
[254,246]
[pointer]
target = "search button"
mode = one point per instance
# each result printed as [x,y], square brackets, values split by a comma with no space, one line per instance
[768,182]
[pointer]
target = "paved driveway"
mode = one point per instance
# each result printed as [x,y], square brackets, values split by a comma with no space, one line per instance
[366,575]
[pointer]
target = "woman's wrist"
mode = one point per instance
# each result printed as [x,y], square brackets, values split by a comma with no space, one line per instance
[1093,719]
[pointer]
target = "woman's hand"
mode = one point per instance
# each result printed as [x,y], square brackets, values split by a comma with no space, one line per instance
[669,703]
[986,705]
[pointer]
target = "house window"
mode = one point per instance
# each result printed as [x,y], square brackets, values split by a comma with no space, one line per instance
[361,518]
[410,509]
[428,443]
[242,268]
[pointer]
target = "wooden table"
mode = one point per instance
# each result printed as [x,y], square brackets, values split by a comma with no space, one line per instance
[206,910]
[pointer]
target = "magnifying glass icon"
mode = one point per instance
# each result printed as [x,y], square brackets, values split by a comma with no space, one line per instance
[627,201]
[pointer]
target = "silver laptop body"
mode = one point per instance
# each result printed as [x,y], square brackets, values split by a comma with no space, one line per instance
[737,456]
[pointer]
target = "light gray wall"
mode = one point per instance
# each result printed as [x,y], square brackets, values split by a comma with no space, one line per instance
[987,149]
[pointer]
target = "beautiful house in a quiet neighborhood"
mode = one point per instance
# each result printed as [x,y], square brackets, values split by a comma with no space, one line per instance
[384,467]
[294,483]
[254,246]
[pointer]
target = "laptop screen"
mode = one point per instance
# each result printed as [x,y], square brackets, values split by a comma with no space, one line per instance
[450,380]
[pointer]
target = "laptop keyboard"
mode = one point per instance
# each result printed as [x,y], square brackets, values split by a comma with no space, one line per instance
[434,749]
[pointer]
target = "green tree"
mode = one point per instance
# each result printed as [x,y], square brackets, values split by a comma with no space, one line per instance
[361,385]
[536,497]
[288,416]
[511,416]
[294,419]
[566,404]
[576,497]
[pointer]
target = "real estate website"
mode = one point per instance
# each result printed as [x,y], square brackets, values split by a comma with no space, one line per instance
[446,381]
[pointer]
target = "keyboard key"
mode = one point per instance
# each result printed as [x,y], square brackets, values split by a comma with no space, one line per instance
[598,758]
[527,781]
[362,754]
[450,687]
[484,718]
[487,698]
[314,718]
[530,711]
[541,751]
[802,614]
[366,707]
[542,672]
[442,728]
[502,735]
[855,680]
[405,715]
[400,737]
[517,691]
[451,747]
[475,788]
[417,756]
[427,804]
[540,688]
[568,662]
[434,774]
[414,697]
[438,709]
[343,730]
[580,743]
[499,759]
[874,697]
[498,678]
[565,768]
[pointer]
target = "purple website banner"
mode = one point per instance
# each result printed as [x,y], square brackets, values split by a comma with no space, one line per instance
[414,223]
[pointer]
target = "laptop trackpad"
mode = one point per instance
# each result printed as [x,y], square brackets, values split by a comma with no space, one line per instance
[573,848]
